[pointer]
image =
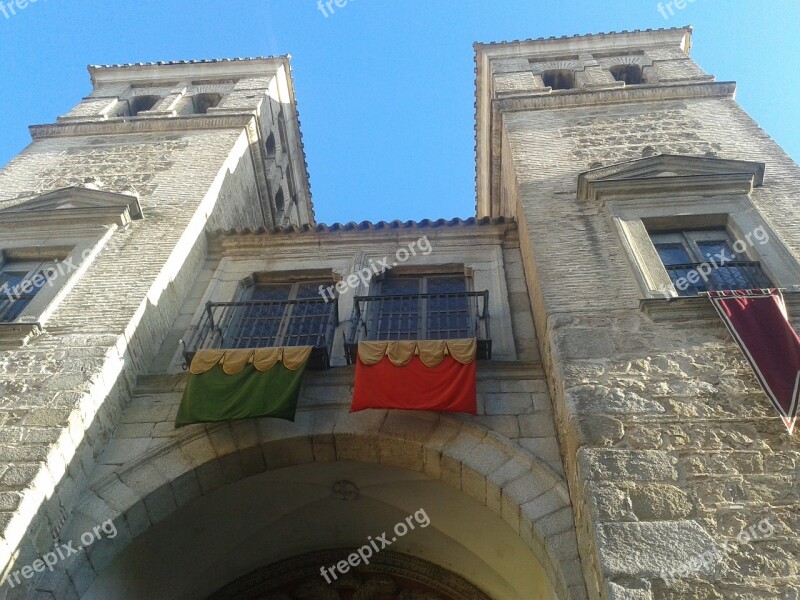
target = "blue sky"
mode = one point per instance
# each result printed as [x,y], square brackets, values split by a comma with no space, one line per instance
[385,88]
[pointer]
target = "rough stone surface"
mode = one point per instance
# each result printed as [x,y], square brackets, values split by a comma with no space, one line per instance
[669,443]
[651,417]
[650,549]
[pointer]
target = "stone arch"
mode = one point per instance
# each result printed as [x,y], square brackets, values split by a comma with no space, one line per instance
[559,79]
[624,59]
[556,65]
[558,74]
[485,466]
[630,64]
[143,103]
[201,102]
[630,74]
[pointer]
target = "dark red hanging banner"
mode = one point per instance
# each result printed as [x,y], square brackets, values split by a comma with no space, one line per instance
[758,322]
[425,375]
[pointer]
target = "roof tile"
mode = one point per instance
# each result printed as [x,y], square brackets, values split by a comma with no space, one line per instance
[362,226]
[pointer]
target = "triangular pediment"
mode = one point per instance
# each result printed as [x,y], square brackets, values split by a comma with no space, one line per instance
[72,203]
[669,172]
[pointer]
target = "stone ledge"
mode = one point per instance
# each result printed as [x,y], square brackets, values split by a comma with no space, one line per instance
[644,93]
[14,335]
[699,308]
[343,376]
[128,125]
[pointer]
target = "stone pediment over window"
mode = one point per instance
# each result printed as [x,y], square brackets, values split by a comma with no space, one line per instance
[671,175]
[75,204]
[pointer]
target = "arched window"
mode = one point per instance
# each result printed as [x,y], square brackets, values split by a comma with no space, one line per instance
[279,201]
[630,74]
[270,145]
[202,102]
[143,103]
[559,79]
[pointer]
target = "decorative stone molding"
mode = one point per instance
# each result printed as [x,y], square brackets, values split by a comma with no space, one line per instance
[75,204]
[345,490]
[127,125]
[666,192]
[548,100]
[671,175]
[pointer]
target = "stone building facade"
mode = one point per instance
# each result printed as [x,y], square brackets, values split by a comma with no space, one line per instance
[620,434]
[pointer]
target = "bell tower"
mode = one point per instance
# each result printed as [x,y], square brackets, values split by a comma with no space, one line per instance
[103,222]
[192,99]
[624,164]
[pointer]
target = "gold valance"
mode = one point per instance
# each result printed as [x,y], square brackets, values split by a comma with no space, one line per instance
[430,352]
[263,359]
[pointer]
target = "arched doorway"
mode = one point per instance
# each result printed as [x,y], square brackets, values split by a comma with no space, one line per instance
[317,511]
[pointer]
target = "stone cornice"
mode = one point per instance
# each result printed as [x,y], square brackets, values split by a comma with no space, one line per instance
[355,235]
[670,174]
[128,125]
[616,40]
[489,370]
[75,205]
[694,165]
[164,71]
[696,185]
[698,310]
[604,97]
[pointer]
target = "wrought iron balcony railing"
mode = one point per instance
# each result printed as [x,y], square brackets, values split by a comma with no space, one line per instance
[267,324]
[730,276]
[442,316]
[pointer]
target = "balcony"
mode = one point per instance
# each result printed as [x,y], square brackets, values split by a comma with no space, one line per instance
[738,275]
[438,316]
[267,324]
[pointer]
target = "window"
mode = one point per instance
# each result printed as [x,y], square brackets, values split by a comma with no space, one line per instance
[142,103]
[422,308]
[559,79]
[270,145]
[280,314]
[630,74]
[202,102]
[20,281]
[663,194]
[268,313]
[280,204]
[702,260]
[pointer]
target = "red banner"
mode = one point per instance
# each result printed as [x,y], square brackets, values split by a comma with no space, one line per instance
[414,382]
[759,324]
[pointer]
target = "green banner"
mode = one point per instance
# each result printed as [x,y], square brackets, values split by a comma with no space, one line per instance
[213,396]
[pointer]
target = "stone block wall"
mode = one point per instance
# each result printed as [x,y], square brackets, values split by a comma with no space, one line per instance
[670,446]
[514,407]
[505,459]
[64,391]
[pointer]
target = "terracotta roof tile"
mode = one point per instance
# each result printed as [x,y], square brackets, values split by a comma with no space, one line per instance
[364,226]
[584,35]
[190,62]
